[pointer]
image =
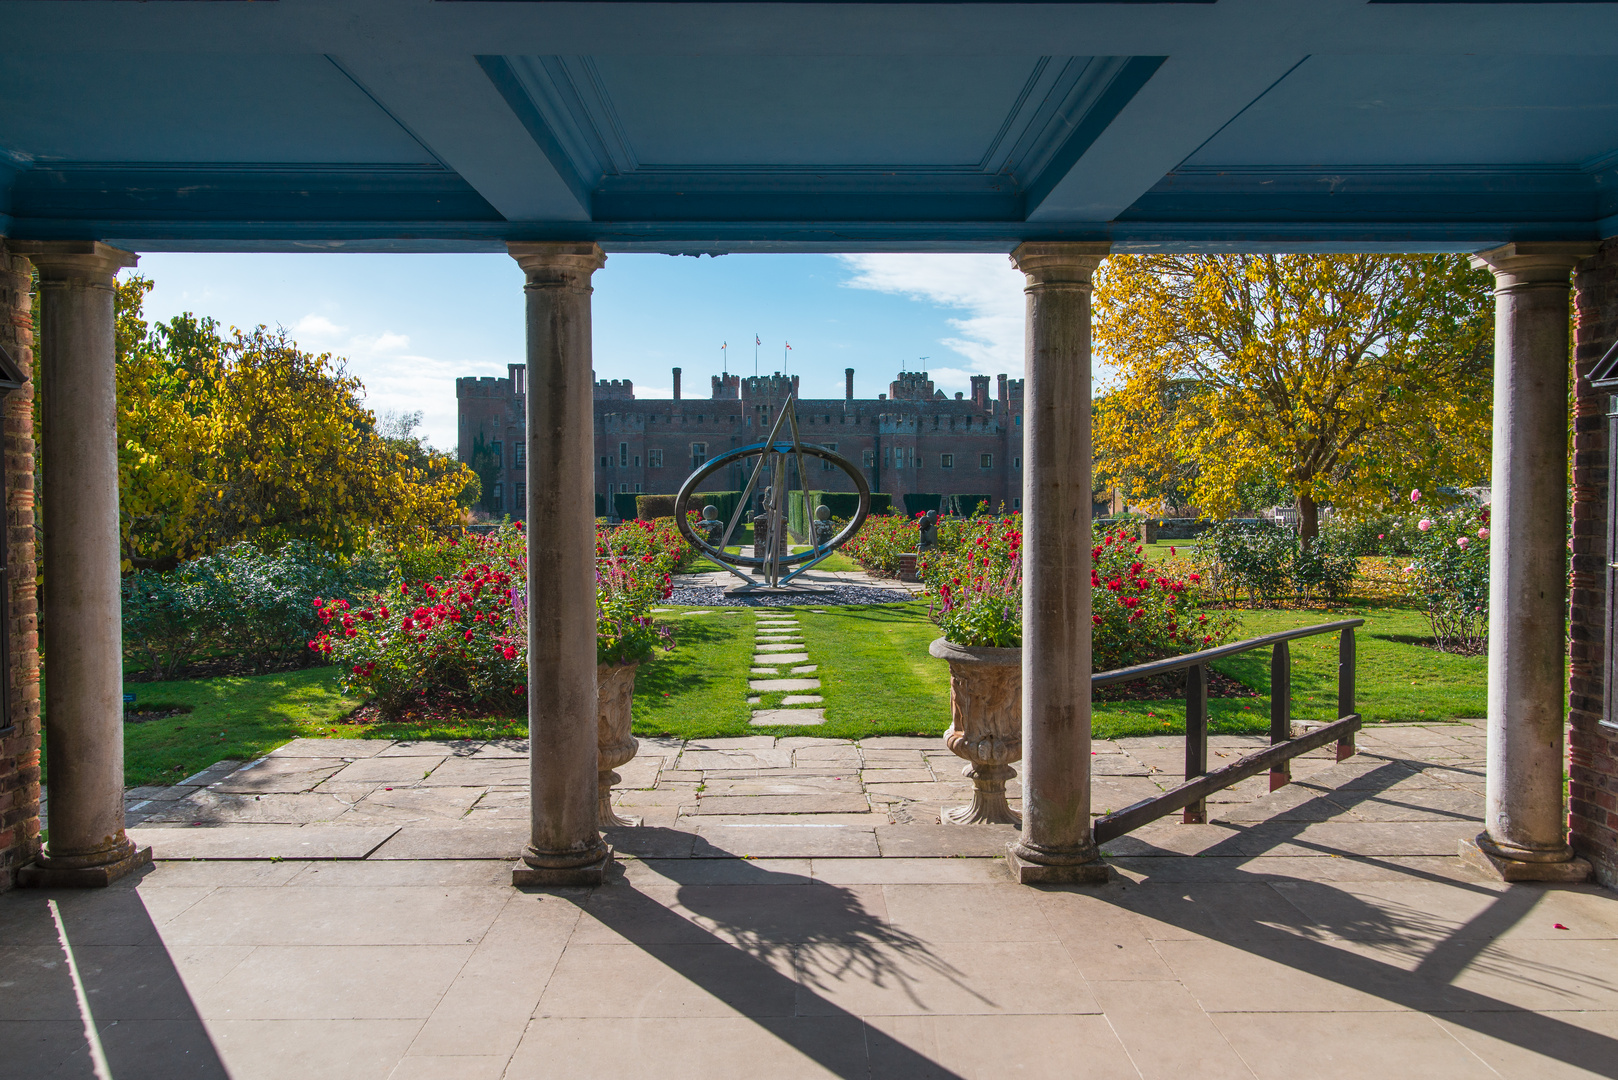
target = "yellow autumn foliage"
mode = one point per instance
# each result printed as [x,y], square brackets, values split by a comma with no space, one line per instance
[244,436]
[1347,379]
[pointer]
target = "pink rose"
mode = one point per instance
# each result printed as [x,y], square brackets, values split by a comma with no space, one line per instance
[1424,524]
[1483,534]
[1463,542]
[1415,495]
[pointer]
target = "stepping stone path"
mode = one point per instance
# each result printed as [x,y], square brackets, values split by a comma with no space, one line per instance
[780,645]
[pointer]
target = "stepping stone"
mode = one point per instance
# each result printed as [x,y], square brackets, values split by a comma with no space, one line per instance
[806,669]
[800,699]
[786,620]
[787,718]
[754,700]
[697,612]
[783,658]
[775,648]
[764,671]
[767,685]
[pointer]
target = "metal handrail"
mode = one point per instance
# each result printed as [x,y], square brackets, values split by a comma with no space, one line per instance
[1190,660]
[1191,796]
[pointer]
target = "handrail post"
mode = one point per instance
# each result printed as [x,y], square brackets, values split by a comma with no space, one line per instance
[1196,738]
[1280,709]
[1345,689]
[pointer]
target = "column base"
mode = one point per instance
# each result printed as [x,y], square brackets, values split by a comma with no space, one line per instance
[41,875]
[593,873]
[1026,872]
[1572,870]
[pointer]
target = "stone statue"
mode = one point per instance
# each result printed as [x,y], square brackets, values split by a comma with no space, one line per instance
[762,530]
[710,528]
[823,528]
[929,531]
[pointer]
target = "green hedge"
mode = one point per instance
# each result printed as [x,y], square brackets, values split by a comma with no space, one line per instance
[623,505]
[601,505]
[965,505]
[843,504]
[652,507]
[921,502]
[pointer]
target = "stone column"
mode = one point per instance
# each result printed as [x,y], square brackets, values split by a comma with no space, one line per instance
[1525,835]
[84,712]
[565,846]
[1057,844]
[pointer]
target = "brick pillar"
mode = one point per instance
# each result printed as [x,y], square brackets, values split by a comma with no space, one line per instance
[19,746]
[1592,744]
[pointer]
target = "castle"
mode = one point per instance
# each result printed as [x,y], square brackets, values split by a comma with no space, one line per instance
[912,440]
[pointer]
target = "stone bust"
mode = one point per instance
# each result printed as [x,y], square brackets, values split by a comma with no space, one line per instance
[824,530]
[710,528]
[929,531]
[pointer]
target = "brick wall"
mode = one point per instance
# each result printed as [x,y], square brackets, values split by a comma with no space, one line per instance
[1592,745]
[19,747]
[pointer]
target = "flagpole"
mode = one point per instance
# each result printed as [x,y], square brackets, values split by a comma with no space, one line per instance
[757,341]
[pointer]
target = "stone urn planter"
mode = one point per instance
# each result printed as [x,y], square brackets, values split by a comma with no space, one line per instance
[985,699]
[615,687]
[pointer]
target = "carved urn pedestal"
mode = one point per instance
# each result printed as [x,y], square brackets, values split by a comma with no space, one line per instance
[615,686]
[985,698]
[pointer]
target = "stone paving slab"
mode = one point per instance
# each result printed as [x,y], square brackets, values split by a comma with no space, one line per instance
[769,685]
[788,717]
[263,842]
[825,803]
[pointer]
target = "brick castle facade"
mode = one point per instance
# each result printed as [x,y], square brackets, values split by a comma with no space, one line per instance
[913,439]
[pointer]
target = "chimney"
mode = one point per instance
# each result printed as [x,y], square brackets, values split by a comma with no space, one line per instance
[677,384]
[848,384]
[980,391]
[1002,390]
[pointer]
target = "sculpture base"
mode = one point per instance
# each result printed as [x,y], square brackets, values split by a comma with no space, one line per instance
[1024,872]
[790,589]
[44,876]
[1478,857]
[550,876]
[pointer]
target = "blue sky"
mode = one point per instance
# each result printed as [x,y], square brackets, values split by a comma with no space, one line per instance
[410,324]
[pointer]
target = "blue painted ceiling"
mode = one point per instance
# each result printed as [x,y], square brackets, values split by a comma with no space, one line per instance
[433,125]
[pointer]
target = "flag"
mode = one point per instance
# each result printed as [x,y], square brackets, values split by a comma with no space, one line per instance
[757,340]
[789,346]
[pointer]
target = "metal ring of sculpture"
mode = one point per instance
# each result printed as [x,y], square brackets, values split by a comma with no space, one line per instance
[814,553]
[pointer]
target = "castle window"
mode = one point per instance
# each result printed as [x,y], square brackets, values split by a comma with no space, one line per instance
[1016,463]
[946,461]
[623,488]
[825,463]
[1019,420]
[519,452]
[637,488]
[497,500]
[1016,504]
[623,455]
[986,461]
[606,462]
[868,459]
[637,461]
[654,459]
[499,452]
[699,454]
[519,495]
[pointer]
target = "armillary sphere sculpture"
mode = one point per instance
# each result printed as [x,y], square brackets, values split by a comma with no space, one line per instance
[776,565]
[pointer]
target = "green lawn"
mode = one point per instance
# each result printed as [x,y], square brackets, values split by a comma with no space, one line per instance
[875,673]
[233,717]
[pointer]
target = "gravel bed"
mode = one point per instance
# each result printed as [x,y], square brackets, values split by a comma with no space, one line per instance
[714,596]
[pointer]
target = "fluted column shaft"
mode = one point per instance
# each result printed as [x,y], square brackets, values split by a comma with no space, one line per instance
[1056,843]
[565,846]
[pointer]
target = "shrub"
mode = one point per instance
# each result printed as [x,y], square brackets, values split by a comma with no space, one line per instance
[880,542]
[462,636]
[652,507]
[1268,563]
[1449,576]
[242,601]
[974,582]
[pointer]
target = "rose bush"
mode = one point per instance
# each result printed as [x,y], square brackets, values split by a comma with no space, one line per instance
[1138,613]
[880,542]
[1448,575]
[461,634]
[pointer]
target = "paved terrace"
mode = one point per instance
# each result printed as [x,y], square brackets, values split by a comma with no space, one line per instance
[792,909]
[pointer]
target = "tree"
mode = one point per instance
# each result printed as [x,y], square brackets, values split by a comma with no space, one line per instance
[245,436]
[1334,377]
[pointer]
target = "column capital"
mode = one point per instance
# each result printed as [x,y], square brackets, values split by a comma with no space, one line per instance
[558,263]
[1060,262]
[64,260]
[1534,262]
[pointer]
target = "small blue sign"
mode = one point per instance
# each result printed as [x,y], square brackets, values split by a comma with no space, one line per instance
[129,699]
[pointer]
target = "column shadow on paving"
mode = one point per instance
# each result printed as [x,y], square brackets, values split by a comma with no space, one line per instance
[1324,930]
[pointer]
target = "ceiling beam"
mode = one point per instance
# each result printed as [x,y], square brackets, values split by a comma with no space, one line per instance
[1184,104]
[449,105]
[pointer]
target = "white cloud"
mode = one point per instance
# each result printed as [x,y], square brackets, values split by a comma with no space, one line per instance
[317,326]
[388,341]
[986,289]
